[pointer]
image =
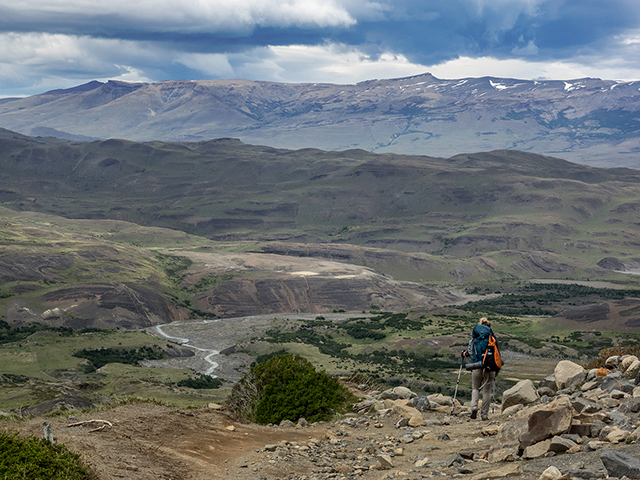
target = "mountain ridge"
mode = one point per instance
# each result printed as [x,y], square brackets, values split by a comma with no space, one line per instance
[588,120]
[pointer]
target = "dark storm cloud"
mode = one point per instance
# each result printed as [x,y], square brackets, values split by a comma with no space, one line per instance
[163,39]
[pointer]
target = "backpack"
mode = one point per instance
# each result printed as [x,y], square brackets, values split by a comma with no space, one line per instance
[491,360]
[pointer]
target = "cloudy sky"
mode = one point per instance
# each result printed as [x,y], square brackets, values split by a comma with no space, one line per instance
[49,44]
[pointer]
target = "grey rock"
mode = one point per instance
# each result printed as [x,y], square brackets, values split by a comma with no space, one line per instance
[561,444]
[582,473]
[596,428]
[454,460]
[421,403]
[583,405]
[546,391]
[619,464]
[628,405]
[389,394]
[573,383]
[548,382]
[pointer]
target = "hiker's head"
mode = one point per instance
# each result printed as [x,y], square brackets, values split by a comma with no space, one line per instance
[484,321]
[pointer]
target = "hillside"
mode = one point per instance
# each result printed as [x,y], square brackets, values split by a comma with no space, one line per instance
[586,120]
[468,217]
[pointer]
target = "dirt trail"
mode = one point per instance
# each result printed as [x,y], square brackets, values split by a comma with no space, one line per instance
[149,441]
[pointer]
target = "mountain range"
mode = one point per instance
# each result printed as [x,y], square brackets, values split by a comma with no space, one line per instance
[587,121]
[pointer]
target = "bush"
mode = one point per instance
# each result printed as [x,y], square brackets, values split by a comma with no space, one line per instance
[34,457]
[288,387]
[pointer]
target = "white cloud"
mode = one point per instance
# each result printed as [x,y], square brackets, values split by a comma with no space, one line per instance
[187,15]
[330,63]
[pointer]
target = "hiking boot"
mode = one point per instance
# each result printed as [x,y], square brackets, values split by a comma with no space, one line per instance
[474,414]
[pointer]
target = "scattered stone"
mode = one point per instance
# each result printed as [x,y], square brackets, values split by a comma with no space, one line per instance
[454,460]
[513,409]
[385,461]
[421,463]
[617,435]
[537,450]
[416,421]
[231,428]
[443,437]
[287,424]
[490,430]
[561,444]
[574,383]
[551,473]
[502,472]
[597,444]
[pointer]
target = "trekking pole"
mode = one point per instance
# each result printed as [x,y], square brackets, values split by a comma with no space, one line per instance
[453,404]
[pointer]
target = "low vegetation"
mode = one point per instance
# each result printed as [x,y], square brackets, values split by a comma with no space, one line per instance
[38,459]
[99,357]
[288,387]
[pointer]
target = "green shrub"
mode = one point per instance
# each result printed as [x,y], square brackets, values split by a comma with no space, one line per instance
[288,387]
[36,458]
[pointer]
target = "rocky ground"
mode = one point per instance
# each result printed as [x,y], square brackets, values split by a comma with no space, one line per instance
[394,435]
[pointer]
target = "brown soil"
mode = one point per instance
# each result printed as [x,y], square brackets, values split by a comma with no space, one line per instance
[149,441]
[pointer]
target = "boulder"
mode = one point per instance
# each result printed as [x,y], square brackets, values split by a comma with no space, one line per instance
[627,361]
[397,393]
[421,403]
[620,464]
[612,362]
[404,392]
[552,419]
[632,370]
[564,370]
[506,445]
[440,399]
[403,408]
[522,393]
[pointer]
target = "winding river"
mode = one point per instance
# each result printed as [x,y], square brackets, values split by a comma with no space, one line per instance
[185,342]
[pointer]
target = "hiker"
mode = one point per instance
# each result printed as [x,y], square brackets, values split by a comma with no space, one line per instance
[481,378]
